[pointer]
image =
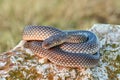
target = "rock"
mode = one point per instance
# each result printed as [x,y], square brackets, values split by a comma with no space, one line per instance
[21,63]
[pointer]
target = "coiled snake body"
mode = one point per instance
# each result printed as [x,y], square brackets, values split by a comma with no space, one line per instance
[66,48]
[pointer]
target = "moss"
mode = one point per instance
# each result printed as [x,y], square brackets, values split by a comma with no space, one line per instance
[23,74]
[118,59]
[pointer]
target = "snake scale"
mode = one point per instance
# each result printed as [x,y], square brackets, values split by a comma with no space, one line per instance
[73,48]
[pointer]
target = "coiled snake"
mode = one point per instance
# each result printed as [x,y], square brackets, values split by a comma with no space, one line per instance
[77,48]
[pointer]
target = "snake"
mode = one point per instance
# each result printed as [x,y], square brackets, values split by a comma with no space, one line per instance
[69,48]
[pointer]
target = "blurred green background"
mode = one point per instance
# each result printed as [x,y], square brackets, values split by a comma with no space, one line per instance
[63,14]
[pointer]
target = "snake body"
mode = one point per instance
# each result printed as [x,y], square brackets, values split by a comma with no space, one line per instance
[69,48]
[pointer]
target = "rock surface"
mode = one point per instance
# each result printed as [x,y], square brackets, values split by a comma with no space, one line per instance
[21,64]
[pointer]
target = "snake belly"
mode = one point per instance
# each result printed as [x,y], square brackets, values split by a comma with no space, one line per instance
[83,54]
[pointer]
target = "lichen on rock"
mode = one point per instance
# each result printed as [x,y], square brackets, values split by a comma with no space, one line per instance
[21,63]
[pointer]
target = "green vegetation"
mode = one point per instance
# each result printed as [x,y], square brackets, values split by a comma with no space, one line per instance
[63,14]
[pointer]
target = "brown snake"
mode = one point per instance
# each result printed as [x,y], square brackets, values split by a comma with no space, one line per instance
[77,48]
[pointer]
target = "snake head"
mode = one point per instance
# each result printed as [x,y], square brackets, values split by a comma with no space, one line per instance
[47,44]
[53,41]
